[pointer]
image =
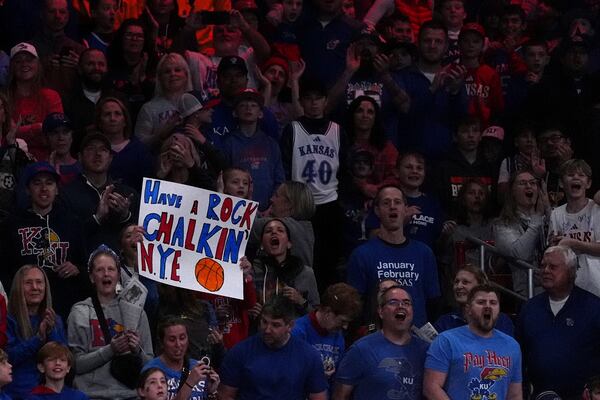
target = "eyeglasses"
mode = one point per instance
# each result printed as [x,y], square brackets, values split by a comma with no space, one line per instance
[524,183]
[134,36]
[552,139]
[396,303]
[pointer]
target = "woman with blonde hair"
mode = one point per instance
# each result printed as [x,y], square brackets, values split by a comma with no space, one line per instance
[31,323]
[159,116]
[292,202]
[132,160]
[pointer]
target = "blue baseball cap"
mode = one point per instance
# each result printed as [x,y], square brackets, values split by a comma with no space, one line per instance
[56,120]
[42,167]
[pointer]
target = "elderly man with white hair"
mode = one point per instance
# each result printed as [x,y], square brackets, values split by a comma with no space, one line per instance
[559,330]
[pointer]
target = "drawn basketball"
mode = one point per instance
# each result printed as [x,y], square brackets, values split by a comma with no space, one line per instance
[209,274]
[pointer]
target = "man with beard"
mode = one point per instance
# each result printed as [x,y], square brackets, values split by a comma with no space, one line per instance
[475,360]
[391,255]
[80,103]
[559,329]
[273,364]
[387,364]
[436,96]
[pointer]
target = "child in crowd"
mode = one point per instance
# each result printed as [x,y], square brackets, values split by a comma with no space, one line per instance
[464,162]
[233,315]
[250,148]
[536,57]
[152,385]
[285,20]
[426,216]
[482,82]
[505,55]
[577,223]
[54,361]
[313,148]
[5,374]
[526,157]
[453,16]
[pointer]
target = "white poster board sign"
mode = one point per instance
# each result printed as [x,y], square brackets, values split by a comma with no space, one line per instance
[194,238]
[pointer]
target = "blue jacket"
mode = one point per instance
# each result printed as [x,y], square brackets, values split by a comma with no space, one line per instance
[22,355]
[324,47]
[561,352]
[132,164]
[259,155]
[429,124]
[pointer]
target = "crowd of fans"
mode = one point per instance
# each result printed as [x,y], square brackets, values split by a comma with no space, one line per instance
[378,138]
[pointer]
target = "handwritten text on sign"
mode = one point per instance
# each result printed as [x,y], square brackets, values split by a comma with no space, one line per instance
[194,237]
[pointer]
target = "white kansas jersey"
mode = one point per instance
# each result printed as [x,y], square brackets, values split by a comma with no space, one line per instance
[585,227]
[315,161]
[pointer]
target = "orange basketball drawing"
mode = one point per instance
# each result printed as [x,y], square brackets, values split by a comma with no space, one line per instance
[209,274]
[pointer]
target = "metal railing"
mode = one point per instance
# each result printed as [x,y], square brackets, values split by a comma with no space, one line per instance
[485,247]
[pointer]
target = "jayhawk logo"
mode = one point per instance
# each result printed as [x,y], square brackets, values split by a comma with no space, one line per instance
[481,389]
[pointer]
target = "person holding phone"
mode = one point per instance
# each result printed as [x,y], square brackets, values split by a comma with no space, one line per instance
[187,378]
[59,53]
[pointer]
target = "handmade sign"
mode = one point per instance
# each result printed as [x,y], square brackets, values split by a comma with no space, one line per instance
[194,237]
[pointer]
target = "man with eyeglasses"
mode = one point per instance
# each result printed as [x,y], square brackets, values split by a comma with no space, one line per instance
[474,361]
[555,148]
[391,255]
[387,364]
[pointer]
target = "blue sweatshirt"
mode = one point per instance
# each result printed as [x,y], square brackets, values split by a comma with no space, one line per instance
[22,355]
[429,124]
[259,155]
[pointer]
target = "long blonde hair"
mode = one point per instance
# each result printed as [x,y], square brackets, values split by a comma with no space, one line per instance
[17,306]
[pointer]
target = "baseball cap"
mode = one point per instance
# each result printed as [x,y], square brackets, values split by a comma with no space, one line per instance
[231,62]
[41,167]
[472,27]
[56,120]
[496,132]
[23,47]
[95,136]
[249,94]
[193,101]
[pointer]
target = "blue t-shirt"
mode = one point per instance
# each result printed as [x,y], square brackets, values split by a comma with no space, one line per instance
[476,367]
[259,372]
[455,319]
[380,369]
[425,227]
[330,346]
[199,391]
[411,264]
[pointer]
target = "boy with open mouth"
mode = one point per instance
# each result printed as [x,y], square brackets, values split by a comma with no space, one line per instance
[577,223]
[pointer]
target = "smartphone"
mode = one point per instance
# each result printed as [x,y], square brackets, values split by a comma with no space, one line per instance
[215,17]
